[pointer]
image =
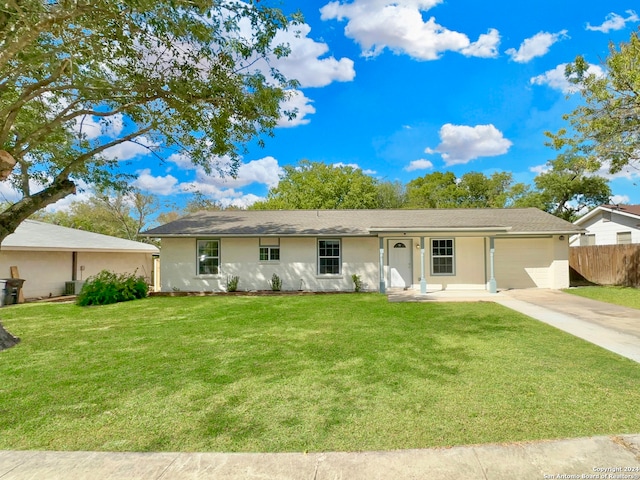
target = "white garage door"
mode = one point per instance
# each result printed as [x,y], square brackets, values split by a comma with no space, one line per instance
[523,262]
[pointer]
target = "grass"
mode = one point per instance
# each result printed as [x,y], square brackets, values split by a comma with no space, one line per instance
[625,296]
[301,373]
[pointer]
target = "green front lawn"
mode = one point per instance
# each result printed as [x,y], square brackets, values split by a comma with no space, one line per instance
[295,373]
[625,296]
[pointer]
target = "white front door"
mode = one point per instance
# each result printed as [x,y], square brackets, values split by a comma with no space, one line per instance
[399,263]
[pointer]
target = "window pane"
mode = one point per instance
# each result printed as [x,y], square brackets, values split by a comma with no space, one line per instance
[264,253]
[275,254]
[209,266]
[329,257]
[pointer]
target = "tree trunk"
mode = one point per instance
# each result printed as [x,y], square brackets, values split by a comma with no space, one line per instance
[6,339]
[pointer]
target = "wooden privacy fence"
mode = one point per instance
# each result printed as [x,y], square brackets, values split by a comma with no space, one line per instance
[606,264]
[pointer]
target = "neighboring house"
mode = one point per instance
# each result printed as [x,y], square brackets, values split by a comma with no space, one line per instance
[48,256]
[319,250]
[609,225]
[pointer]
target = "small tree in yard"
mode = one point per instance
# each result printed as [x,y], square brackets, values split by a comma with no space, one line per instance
[78,78]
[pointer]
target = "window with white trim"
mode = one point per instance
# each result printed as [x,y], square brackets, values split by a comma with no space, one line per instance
[329,261]
[208,257]
[442,256]
[269,250]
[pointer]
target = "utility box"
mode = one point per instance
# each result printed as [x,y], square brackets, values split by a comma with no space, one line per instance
[73,287]
[10,290]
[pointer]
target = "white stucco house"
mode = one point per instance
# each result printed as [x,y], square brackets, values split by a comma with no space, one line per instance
[48,256]
[609,225]
[319,250]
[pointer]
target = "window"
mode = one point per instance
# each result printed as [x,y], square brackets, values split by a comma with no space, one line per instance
[442,256]
[269,249]
[623,238]
[269,254]
[587,239]
[329,257]
[208,257]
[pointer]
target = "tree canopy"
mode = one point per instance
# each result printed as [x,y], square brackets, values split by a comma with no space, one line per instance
[316,185]
[606,128]
[78,78]
[472,190]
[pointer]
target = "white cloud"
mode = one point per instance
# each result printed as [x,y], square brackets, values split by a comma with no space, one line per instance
[614,22]
[538,169]
[159,185]
[297,100]
[304,62]
[536,46]
[420,164]
[620,200]
[485,47]
[92,127]
[128,150]
[355,166]
[630,173]
[460,143]
[265,171]
[399,26]
[556,78]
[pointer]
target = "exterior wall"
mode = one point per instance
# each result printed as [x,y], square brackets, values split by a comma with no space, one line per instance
[519,263]
[94,262]
[45,273]
[606,231]
[532,262]
[469,265]
[297,266]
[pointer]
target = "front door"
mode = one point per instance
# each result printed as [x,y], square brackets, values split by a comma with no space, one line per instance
[399,263]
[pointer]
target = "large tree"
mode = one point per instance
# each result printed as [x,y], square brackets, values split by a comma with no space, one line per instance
[78,77]
[568,188]
[115,213]
[472,190]
[606,127]
[310,185]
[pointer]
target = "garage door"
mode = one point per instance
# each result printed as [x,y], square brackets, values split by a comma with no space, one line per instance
[523,262]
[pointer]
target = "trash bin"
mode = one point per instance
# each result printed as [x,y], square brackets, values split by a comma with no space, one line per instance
[11,290]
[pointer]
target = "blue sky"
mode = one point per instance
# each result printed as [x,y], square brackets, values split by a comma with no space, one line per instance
[405,88]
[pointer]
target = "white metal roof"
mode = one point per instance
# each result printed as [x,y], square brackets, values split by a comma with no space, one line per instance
[40,236]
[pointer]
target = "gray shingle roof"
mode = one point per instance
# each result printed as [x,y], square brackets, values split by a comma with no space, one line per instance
[32,235]
[362,222]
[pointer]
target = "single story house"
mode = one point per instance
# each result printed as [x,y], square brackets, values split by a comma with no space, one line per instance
[609,225]
[50,257]
[319,250]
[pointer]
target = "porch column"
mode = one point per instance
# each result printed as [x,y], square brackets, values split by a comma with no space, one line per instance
[493,288]
[382,287]
[423,279]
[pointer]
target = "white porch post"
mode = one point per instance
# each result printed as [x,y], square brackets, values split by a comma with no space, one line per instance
[382,287]
[423,279]
[493,287]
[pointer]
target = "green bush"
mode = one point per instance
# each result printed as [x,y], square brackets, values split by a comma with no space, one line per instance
[357,282]
[232,283]
[109,287]
[275,283]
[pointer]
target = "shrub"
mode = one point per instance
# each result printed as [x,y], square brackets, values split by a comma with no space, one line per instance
[109,287]
[276,283]
[357,282]
[232,283]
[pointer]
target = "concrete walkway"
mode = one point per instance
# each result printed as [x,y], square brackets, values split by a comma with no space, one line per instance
[597,457]
[609,326]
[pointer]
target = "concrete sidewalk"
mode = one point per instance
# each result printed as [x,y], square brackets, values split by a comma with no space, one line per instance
[597,457]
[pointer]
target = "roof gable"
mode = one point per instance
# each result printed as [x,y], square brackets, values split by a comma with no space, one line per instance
[632,211]
[362,222]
